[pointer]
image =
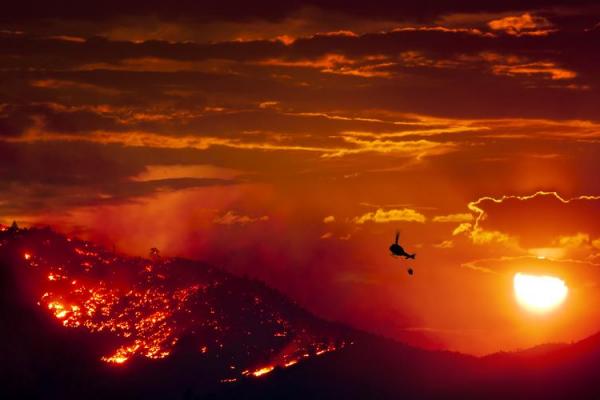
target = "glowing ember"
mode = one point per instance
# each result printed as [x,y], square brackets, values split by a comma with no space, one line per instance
[59,309]
[122,354]
[263,371]
[27,256]
[115,359]
[290,363]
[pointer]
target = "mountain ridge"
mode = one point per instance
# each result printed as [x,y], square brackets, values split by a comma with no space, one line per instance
[49,356]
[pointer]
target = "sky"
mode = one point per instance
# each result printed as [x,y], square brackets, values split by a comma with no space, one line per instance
[288,141]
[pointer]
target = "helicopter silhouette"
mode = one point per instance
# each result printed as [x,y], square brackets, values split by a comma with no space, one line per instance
[398,251]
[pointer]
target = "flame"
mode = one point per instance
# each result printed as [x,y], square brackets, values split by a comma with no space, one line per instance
[290,363]
[116,359]
[263,371]
[59,309]
[122,354]
[291,356]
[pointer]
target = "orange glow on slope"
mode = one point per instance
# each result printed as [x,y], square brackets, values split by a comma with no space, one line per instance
[142,307]
[539,294]
[138,315]
[290,357]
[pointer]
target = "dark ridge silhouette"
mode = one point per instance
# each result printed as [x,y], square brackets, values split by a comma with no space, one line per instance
[43,359]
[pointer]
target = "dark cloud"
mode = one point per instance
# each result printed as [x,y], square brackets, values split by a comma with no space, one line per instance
[473,74]
[541,219]
[432,41]
[14,120]
[56,176]
[268,10]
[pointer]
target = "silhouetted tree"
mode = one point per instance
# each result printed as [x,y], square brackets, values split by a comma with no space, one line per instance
[155,254]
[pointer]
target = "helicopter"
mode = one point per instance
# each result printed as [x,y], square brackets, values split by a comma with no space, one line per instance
[398,251]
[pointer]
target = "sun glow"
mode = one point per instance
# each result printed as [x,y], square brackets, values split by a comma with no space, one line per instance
[539,294]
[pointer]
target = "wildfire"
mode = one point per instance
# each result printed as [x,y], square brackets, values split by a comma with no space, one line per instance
[261,371]
[141,315]
[146,306]
[289,357]
[122,354]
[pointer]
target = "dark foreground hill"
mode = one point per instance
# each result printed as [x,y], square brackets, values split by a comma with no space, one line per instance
[78,321]
[378,368]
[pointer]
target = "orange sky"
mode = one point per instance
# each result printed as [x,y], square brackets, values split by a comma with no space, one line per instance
[290,143]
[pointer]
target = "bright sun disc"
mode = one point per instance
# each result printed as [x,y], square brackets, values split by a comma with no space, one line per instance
[539,294]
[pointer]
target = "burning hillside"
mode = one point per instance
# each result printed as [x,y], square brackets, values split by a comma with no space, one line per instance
[143,308]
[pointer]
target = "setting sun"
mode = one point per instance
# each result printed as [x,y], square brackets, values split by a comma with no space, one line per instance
[539,294]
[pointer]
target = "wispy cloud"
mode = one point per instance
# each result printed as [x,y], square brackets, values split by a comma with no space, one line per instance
[461,217]
[232,218]
[382,216]
[524,24]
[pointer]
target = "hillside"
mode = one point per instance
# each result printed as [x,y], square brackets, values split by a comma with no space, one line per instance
[81,321]
[66,302]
